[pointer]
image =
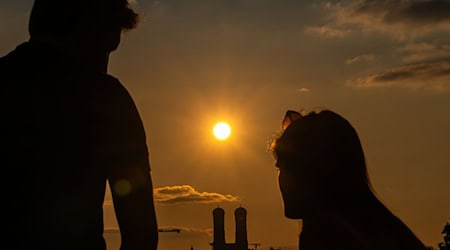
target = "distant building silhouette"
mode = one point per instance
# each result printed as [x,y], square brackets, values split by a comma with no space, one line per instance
[219,228]
[241,242]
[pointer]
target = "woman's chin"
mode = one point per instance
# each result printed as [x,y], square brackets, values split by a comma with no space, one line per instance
[292,214]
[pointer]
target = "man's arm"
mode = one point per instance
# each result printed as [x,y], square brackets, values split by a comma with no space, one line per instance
[132,193]
[130,177]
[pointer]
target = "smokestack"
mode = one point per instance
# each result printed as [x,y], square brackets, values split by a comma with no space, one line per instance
[219,228]
[240,215]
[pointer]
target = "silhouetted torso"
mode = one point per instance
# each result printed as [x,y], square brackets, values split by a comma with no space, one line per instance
[365,230]
[65,130]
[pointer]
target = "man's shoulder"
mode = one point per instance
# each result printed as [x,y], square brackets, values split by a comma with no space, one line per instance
[12,66]
[8,58]
[25,58]
[115,86]
[112,81]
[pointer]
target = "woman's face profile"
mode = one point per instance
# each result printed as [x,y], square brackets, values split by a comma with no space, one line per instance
[294,191]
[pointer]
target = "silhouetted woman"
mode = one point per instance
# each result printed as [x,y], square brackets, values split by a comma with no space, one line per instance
[323,181]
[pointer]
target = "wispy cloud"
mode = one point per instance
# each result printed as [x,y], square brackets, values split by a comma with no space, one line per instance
[328,31]
[427,76]
[417,52]
[361,58]
[401,19]
[186,194]
[420,26]
[303,90]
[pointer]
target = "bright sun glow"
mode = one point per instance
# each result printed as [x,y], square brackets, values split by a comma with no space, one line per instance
[222,131]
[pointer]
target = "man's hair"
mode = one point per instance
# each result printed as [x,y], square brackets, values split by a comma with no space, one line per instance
[60,17]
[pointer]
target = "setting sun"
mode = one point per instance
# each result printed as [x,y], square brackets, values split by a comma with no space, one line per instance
[222,130]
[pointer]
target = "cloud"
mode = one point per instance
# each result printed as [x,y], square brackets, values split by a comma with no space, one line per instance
[427,76]
[401,19]
[327,31]
[186,194]
[361,58]
[303,90]
[416,52]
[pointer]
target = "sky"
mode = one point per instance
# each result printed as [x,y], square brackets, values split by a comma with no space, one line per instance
[383,65]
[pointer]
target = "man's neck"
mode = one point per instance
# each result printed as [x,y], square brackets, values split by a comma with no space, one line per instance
[85,55]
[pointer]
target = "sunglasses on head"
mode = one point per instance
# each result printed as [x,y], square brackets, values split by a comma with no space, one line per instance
[290,117]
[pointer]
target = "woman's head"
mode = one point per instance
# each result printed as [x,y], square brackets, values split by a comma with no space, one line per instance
[320,159]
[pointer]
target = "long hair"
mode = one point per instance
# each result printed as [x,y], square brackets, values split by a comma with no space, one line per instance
[324,150]
[325,147]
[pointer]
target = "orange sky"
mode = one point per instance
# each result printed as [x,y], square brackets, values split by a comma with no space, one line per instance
[384,65]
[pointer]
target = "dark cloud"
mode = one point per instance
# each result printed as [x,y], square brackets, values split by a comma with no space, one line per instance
[421,28]
[399,18]
[418,12]
[427,76]
[186,194]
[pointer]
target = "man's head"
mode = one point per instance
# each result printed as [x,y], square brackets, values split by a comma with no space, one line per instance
[100,21]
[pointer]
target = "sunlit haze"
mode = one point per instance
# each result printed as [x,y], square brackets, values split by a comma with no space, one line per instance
[383,65]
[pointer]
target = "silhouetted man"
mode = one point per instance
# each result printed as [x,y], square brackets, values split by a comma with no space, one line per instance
[68,128]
